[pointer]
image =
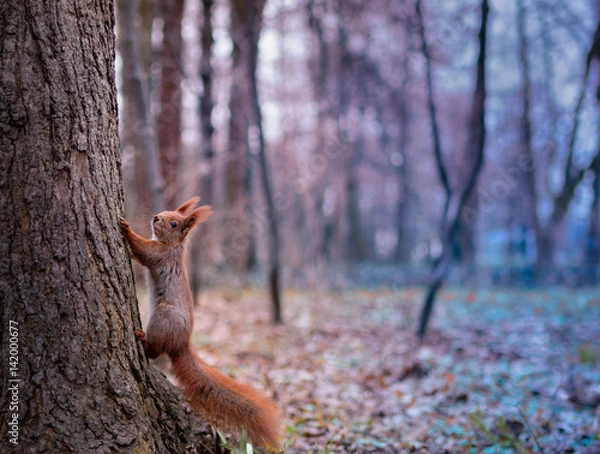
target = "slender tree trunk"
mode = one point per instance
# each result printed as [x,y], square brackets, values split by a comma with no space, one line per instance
[319,76]
[456,203]
[592,249]
[572,176]
[526,139]
[246,19]
[435,129]
[168,121]
[592,253]
[266,182]
[355,243]
[404,236]
[136,94]
[78,381]
[273,224]
[206,149]
[206,100]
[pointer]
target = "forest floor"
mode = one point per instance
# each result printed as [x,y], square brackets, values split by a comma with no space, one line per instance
[500,371]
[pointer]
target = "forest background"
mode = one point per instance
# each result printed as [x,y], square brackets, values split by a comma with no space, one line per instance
[361,113]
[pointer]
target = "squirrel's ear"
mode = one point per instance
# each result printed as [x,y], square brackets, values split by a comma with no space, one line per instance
[196,217]
[188,205]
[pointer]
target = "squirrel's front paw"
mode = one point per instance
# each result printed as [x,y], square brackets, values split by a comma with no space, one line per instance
[124,223]
[140,334]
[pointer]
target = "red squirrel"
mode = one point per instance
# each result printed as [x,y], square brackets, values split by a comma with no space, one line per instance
[217,397]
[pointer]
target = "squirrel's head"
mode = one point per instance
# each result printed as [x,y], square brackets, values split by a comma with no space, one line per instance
[173,227]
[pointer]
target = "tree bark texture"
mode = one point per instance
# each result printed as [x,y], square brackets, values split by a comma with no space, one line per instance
[65,278]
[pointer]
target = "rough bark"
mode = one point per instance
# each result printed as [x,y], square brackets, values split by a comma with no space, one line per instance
[168,121]
[65,279]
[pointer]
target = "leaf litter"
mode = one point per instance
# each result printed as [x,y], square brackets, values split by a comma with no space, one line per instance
[499,371]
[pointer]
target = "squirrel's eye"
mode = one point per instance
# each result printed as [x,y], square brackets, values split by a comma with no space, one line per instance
[173,224]
[156,219]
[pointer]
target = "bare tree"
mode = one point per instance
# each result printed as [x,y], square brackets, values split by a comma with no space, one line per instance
[206,99]
[168,121]
[136,97]
[456,199]
[246,22]
[592,250]
[206,152]
[267,185]
[572,174]
[66,284]
[526,137]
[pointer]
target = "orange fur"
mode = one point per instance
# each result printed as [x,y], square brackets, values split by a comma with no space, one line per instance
[217,397]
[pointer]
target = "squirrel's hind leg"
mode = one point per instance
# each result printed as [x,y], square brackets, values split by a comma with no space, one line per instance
[151,352]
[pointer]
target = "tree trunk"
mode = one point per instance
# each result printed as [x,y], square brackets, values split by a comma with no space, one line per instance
[136,96]
[572,176]
[456,203]
[206,150]
[435,129]
[592,246]
[246,17]
[356,248]
[206,100]
[266,183]
[75,377]
[319,75]
[168,122]
[592,251]
[526,139]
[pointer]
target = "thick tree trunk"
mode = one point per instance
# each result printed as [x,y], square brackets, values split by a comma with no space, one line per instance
[77,381]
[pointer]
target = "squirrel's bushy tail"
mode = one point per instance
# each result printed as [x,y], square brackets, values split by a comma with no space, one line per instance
[227,403]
